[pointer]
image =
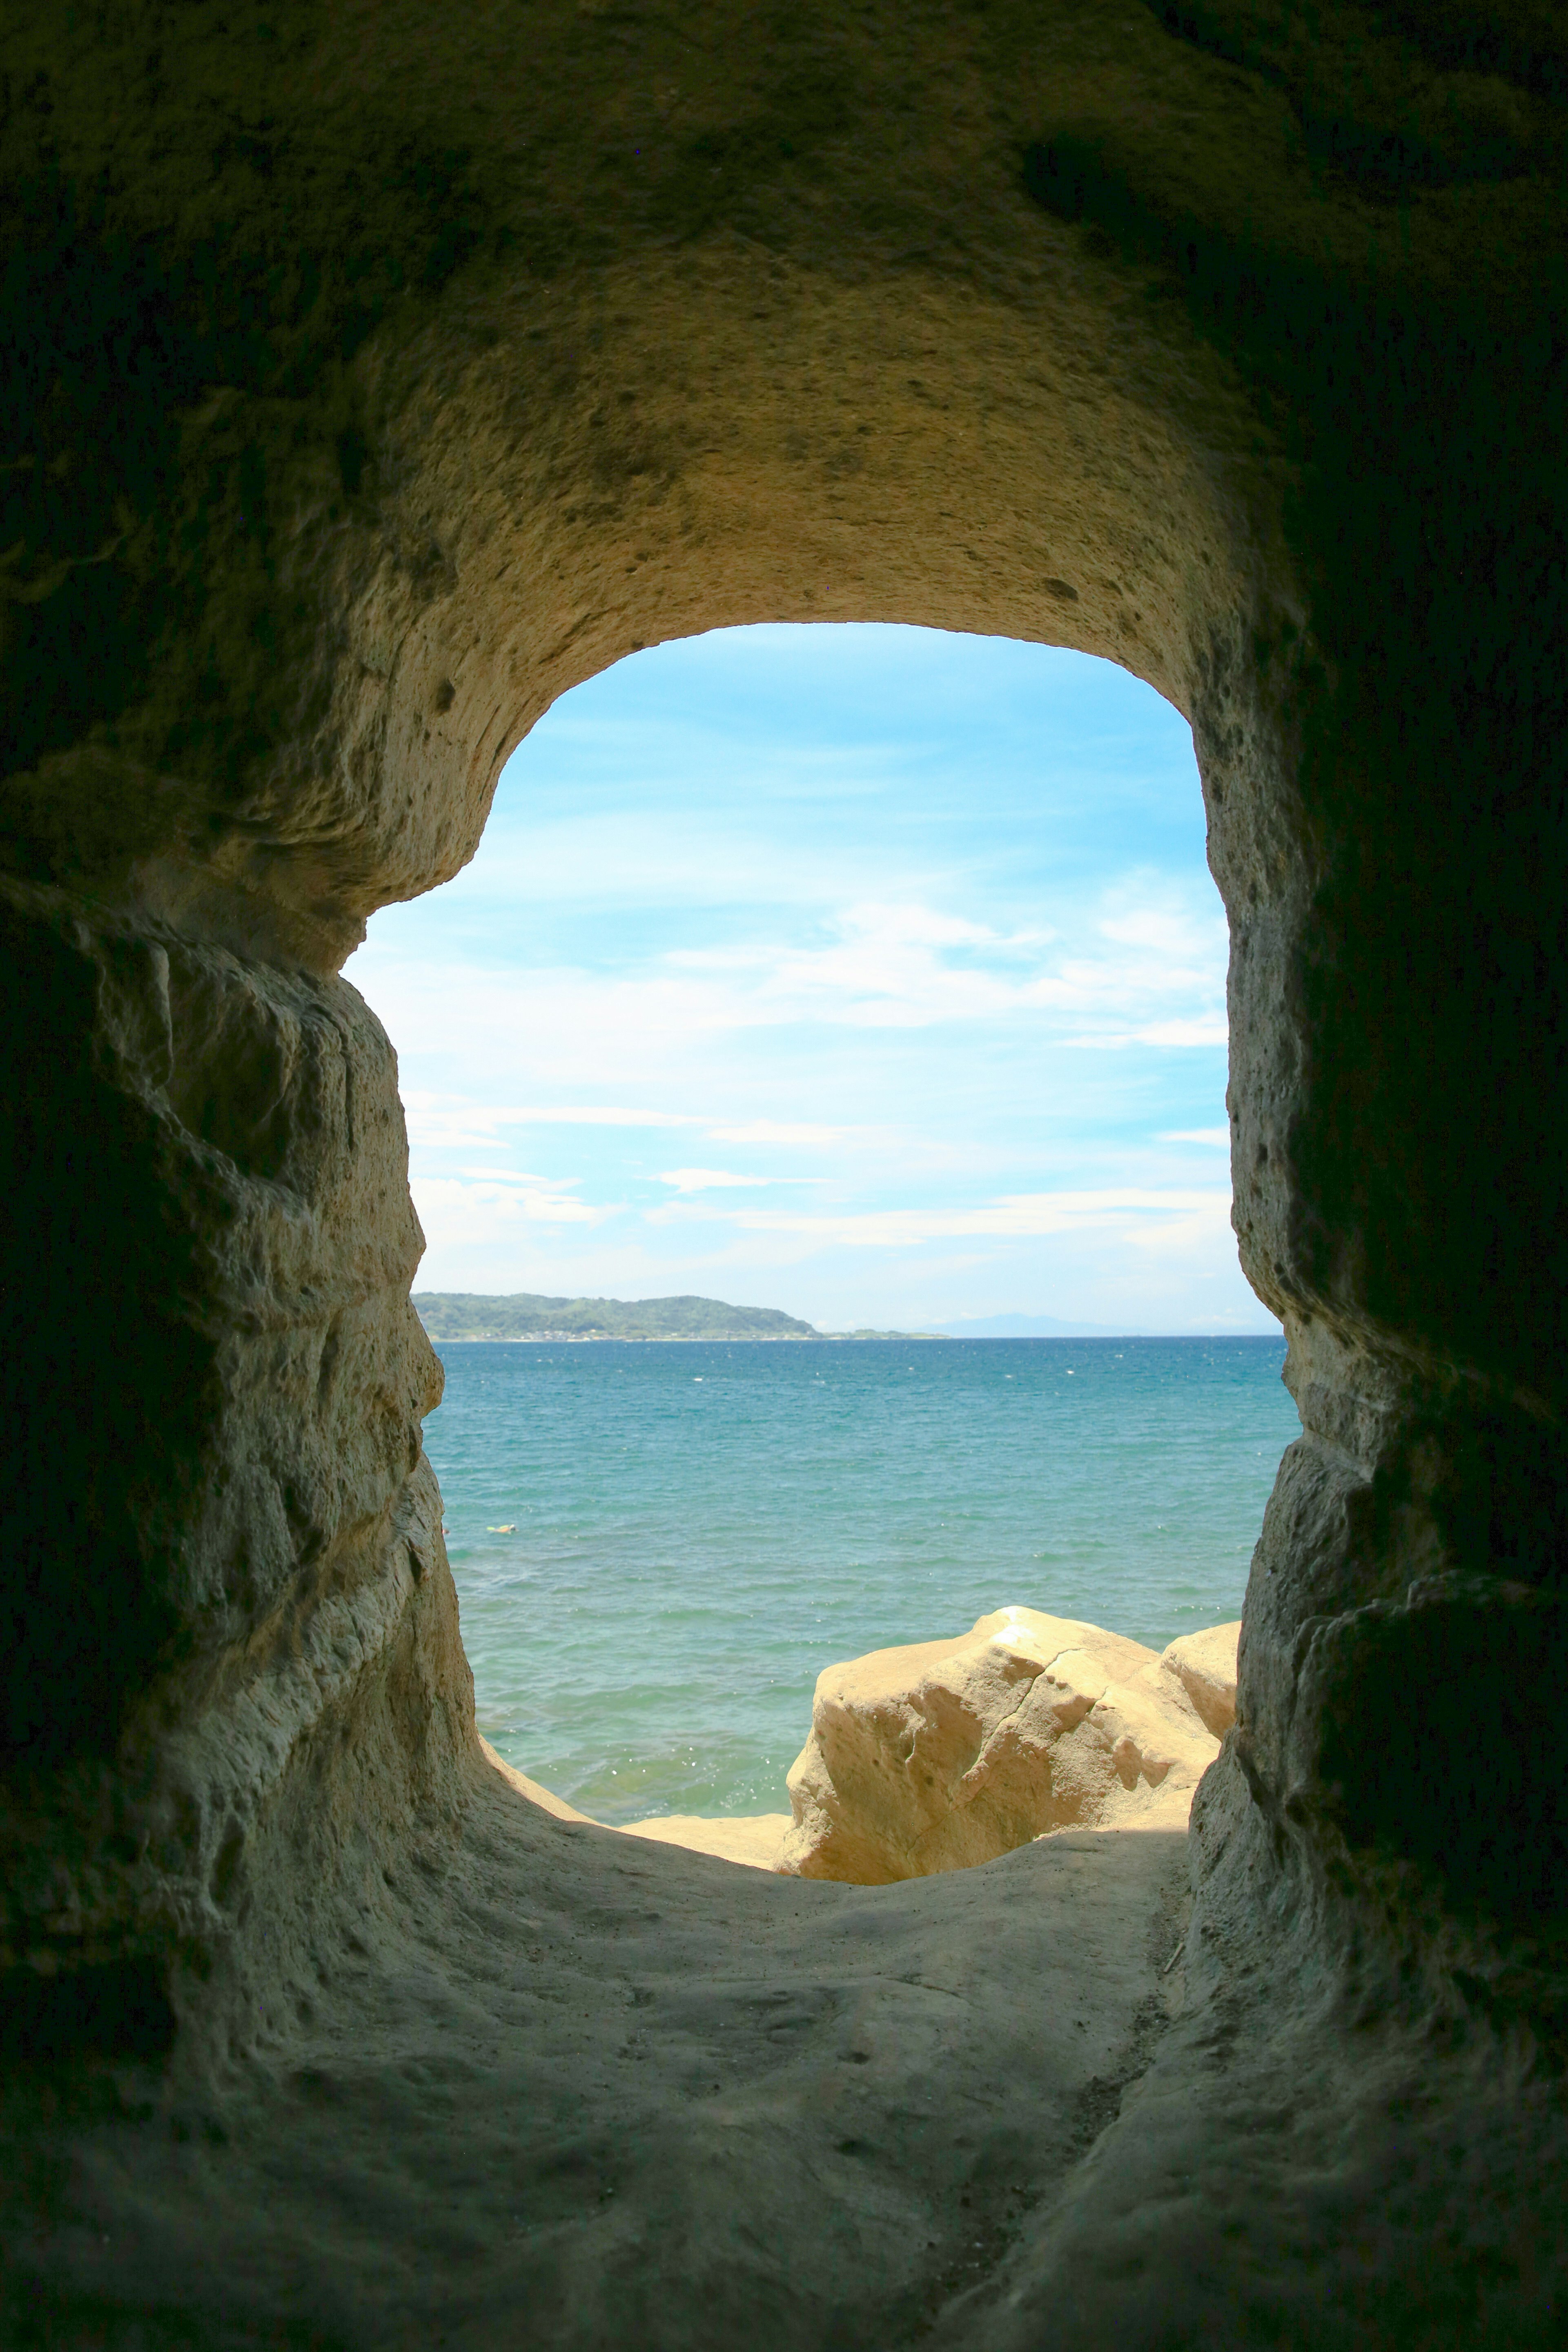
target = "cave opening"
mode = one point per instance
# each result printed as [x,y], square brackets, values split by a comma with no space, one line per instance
[912,932]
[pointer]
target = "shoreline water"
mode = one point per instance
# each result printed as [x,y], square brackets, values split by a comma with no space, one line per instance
[803,1339]
[811,1338]
[656,1553]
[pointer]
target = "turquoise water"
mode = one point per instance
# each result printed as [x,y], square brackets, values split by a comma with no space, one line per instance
[658,1547]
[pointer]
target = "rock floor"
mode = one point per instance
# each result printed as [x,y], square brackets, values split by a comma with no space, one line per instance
[590,2091]
[603,2091]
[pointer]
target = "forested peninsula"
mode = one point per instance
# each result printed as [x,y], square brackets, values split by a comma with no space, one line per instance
[526,1315]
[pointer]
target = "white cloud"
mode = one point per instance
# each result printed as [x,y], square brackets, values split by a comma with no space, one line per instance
[1209,1030]
[1145,970]
[912,966]
[772,1131]
[1167,930]
[889,966]
[448,1123]
[1014,1216]
[455,1209]
[1217,1138]
[706,1179]
[1183,1239]
[435,1112]
[582,1115]
[639,860]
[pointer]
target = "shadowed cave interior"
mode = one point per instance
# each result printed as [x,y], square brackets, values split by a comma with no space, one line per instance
[374,378]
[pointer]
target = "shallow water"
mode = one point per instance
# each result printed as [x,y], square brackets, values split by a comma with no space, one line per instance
[658,1546]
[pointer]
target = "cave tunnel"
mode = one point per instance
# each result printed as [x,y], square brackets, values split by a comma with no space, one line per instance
[373,376]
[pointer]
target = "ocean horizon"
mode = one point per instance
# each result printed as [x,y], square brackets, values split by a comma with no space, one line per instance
[658,1545]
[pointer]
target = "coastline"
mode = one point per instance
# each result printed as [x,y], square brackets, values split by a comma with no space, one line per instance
[672,1338]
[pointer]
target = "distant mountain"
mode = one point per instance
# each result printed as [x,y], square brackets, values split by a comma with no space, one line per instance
[527,1315]
[1027,1327]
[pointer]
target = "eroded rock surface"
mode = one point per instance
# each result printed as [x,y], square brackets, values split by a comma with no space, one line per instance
[596,2087]
[233,1682]
[372,378]
[1204,1665]
[939,1755]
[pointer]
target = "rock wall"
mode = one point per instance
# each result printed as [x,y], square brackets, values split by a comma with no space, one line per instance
[374,376]
[234,1686]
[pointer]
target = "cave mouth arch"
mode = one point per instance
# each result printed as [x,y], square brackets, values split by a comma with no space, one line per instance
[612,461]
[542,481]
[692,838]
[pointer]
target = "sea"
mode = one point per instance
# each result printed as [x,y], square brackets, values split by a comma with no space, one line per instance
[658,1546]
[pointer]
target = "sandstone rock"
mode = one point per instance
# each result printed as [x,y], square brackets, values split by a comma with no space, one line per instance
[942,1754]
[1204,1665]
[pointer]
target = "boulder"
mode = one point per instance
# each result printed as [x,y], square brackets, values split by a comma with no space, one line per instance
[939,1755]
[1204,1665]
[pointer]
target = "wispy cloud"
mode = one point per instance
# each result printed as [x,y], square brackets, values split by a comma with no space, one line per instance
[453,1123]
[1013,1216]
[448,1122]
[1210,1030]
[1217,1138]
[915,965]
[707,1180]
[1145,968]
[456,1207]
[776,1130]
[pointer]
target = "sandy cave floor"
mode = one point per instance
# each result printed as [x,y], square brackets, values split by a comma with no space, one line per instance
[577,2091]
[599,2090]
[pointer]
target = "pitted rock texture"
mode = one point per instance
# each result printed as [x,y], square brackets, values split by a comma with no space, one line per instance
[940,1755]
[234,1682]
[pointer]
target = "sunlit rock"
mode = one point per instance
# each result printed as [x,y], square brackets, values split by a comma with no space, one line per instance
[1204,1665]
[937,1755]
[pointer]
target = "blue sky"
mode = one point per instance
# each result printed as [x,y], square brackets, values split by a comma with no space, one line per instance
[871,972]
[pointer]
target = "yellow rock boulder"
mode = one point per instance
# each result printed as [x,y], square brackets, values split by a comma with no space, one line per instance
[942,1754]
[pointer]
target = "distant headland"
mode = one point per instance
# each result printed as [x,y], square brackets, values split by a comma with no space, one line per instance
[527,1315]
